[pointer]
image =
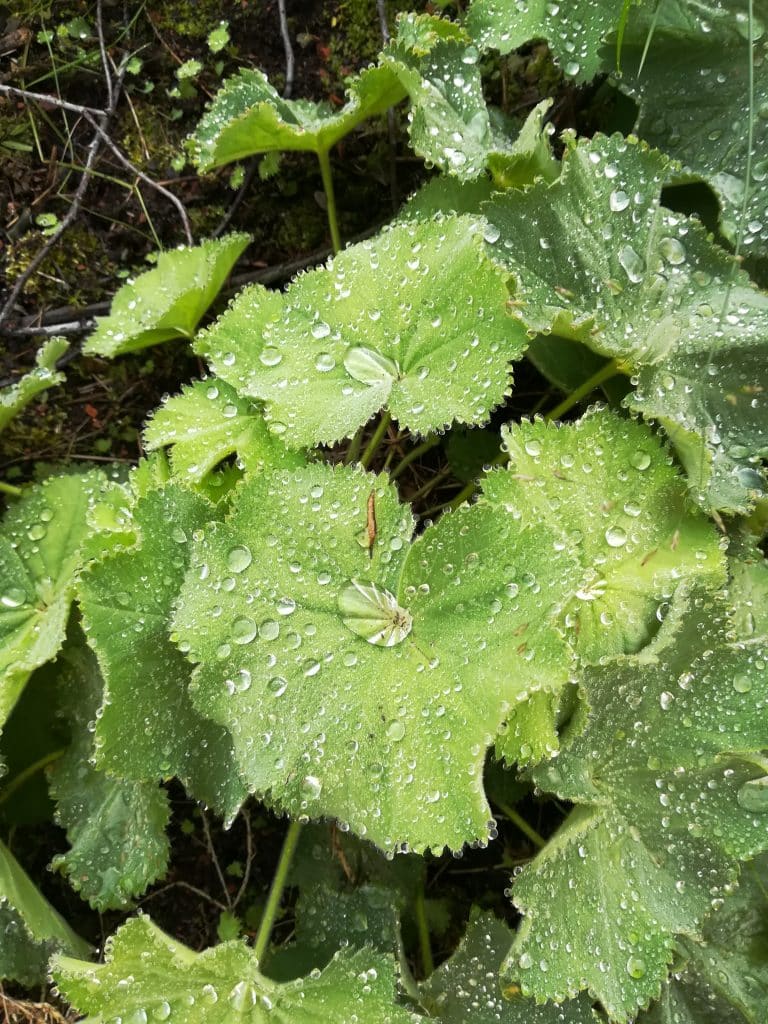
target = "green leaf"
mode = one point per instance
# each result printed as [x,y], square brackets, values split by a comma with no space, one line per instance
[574,29]
[208,422]
[748,589]
[693,93]
[148,728]
[225,984]
[386,732]
[607,490]
[725,977]
[115,827]
[323,367]
[41,542]
[437,64]
[669,787]
[30,927]
[529,157]
[248,116]
[466,987]
[15,397]
[636,282]
[168,301]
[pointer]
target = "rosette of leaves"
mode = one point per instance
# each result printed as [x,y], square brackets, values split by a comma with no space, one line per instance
[44,375]
[168,301]
[147,974]
[610,267]
[668,776]
[366,679]
[341,342]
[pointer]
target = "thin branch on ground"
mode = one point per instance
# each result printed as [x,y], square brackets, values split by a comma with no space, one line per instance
[286,36]
[104,58]
[249,854]
[214,858]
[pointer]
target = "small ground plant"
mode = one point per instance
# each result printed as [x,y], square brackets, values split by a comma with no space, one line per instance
[554,672]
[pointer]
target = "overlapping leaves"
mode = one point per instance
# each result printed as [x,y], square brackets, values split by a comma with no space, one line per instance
[669,785]
[44,375]
[612,268]
[413,320]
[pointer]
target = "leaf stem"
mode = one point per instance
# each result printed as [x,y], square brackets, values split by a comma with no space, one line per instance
[414,454]
[354,446]
[521,823]
[376,439]
[420,910]
[276,890]
[32,769]
[5,488]
[330,198]
[610,369]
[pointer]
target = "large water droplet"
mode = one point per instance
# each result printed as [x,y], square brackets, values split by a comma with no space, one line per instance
[238,559]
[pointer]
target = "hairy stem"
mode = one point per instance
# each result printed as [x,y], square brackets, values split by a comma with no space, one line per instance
[605,373]
[376,439]
[519,821]
[15,492]
[330,198]
[420,909]
[32,769]
[276,890]
[414,454]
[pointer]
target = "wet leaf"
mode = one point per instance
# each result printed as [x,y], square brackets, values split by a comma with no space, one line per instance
[148,728]
[44,375]
[115,827]
[341,342]
[168,301]
[666,776]
[148,974]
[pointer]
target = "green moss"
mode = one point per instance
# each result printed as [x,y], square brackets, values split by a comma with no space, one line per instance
[191,18]
[356,32]
[75,272]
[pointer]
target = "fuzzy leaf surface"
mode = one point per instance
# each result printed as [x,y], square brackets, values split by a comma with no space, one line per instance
[607,490]
[44,375]
[467,987]
[693,94]
[615,270]
[115,827]
[248,116]
[205,424]
[41,551]
[226,985]
[168,301]
[30,927]
[724,977]
[341,343]
[669,787]
[390,739]
[149,728]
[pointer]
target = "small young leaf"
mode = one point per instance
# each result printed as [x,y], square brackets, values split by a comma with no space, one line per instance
[168,301]
[30,927]
[115,827]
[41,542]
[15,397]
[225,984]
[666,777]
[208,422]
[324,369]
[148,728]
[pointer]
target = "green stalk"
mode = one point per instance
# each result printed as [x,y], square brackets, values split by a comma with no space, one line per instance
[420,909]
[31,769]
[330,198]
[413,454]
[15,492]
[376,439]
[521,823]
[605,373]
[354,446]
[276,890]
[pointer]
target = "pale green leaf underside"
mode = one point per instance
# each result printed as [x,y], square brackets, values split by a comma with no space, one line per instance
[390,739]
[31,928]
[249,116]
[168,301]
[608,492]
[612,268]
[693,94]
[669,786]
[149,728]
[44,375]
[222,985]
[208,422]
[115,827]
[725,977]
[342,342]
[467,988]
[41,539]
[573,28]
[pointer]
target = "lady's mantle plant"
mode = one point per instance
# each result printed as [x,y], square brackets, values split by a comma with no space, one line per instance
[257,610]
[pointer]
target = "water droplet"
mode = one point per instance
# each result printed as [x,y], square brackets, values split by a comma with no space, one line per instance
[615,537]
[239,559]
[311,787]
[742,683]
[320,330]
[640,460]
[270,356]
[269,629]
[636,967]
[13,598]
[396,731]
[370,367]
[618,201]
[244,630]
[324,362]
[753,795]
